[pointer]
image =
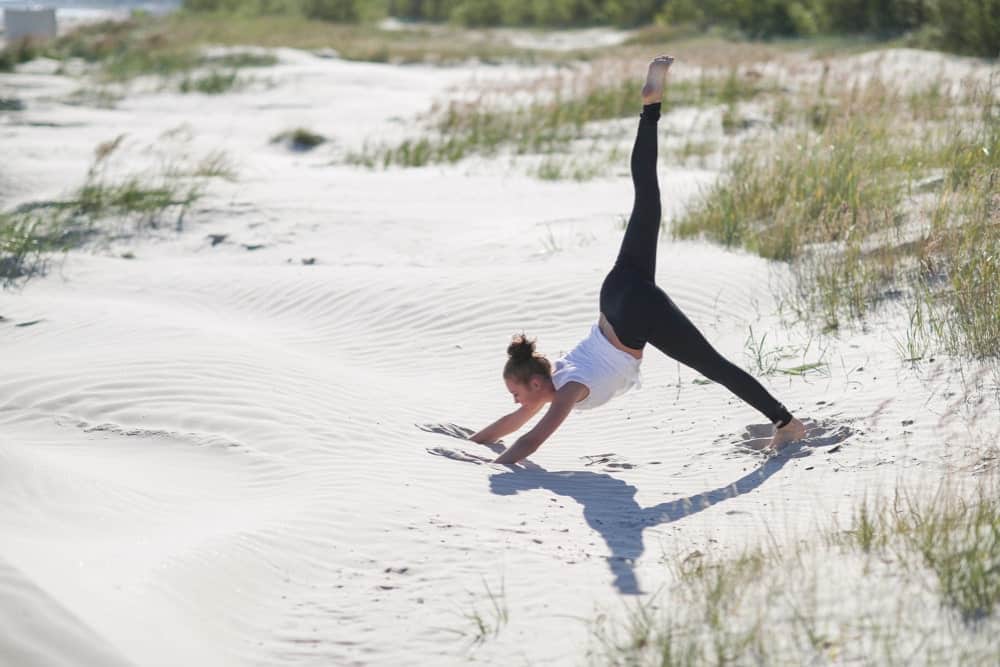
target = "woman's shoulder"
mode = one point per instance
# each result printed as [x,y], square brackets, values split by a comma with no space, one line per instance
[564,366]
[574,391]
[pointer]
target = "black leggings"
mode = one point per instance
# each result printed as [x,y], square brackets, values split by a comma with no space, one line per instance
[641,312]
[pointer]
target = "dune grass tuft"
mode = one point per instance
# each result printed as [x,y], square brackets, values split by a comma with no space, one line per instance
[142,45]
[490,623]
[299,139]
[956,538]
[214,82]
[173,45]
[102,208]
[891,195]
[881,592]
[483,625]
[960,543]
[556,112]
[19,51]
[22,244]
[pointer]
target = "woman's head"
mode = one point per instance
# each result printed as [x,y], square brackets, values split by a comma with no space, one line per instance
[528,374]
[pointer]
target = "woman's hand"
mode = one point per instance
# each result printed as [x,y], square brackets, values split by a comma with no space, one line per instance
[505,425]
[560,408]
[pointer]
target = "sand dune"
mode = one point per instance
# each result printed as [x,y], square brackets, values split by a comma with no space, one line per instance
[37,630]
[211,455]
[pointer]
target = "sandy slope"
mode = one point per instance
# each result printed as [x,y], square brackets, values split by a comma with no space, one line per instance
[211,455]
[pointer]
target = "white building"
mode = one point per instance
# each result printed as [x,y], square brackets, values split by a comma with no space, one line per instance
[33,23]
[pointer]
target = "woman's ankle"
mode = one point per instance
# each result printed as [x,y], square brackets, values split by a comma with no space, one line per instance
[651,111]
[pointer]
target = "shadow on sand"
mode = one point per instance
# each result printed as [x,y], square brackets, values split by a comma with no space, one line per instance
[609,504]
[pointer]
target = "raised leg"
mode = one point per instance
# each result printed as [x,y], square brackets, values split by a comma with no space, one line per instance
[638,249]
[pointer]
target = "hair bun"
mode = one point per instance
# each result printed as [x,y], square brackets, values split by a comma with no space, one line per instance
[523,362]
[520,348]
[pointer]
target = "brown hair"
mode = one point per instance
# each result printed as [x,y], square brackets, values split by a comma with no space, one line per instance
[523,361]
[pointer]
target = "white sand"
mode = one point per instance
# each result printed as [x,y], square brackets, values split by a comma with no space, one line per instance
[210,455]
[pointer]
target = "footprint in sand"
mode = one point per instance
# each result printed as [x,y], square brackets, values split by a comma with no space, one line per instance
[460,432]
[453,430]
[818,434]
[184,438]
[458,455]
[611,461]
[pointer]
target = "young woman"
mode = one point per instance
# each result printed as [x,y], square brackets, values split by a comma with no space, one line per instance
[634,311]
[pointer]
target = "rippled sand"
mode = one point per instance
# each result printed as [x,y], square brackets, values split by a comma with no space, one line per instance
[223,456]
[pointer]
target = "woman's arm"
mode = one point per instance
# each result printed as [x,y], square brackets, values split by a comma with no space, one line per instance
[560,408]
[506,424]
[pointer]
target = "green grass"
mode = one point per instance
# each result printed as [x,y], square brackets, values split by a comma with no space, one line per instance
[17,52]
[134,203]
[765,359]
[99,96]
[818,367]
[960,543]
[836,196]
[147,204]
[241,59]
[811,189]
[214,82]
[907,578]
[559,112]
[703,624]
[867,530]
[174,44]
[965,26]
[102,208]
[216,164]
[483,625]
[142,45]
[579,164]
[955,538]
[22,244]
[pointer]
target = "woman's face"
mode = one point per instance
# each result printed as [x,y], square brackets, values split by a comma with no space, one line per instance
[529,395]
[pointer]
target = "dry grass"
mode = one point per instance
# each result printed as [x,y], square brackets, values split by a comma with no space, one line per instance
[103,208]
[144,45]
[875,194]
[173,44]
[908,583]
[546,115]
[956,538]
[23,244]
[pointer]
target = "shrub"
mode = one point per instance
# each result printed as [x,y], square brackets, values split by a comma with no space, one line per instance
[299,139]
[967,26]
[249,7]
[17,52]
[21,247]
[342,11]
[213,83]
[964,26]
[878,16]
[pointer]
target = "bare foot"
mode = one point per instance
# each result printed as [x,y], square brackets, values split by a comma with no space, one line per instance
[790,432]
[656,79]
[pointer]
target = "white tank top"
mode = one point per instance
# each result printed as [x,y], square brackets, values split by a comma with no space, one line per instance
[598,365]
